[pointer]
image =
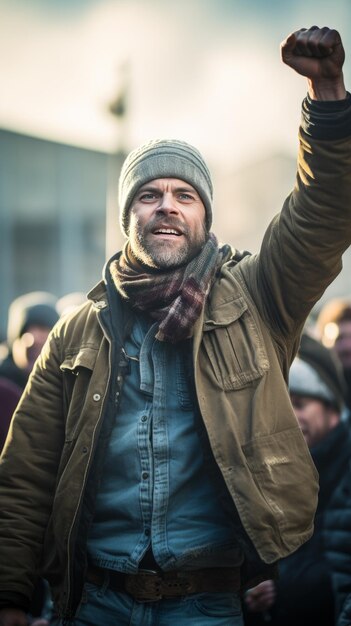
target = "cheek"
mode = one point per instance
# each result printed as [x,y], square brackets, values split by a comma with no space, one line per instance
[135,224]
[303,423]
[131,230]
[202,232]
[201,218]
[317,424]
[140,217]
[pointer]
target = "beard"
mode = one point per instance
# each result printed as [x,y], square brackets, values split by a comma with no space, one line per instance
[163,254]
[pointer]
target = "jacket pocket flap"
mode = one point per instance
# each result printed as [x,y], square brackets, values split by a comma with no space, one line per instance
[225,313]
[86,357]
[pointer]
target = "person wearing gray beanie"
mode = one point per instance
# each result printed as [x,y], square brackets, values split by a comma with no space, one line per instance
[314,579]
[317,389]
[163,158]
[317,373]
[31,316]
[155,468]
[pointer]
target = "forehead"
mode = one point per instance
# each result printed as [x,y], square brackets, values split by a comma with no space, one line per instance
[165,184]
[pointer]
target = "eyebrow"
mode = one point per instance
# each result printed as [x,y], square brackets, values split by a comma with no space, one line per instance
[190,188]
[147,188]
[157,190]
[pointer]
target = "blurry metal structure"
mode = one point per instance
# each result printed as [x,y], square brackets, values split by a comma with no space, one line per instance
[119,108]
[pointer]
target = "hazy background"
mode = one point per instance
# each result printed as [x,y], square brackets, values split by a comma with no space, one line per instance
[206,71]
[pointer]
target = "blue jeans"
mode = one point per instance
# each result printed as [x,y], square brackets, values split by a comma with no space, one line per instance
[103,607]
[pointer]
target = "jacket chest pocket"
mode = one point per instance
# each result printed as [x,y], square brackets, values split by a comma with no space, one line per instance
[77,370]
[234,345]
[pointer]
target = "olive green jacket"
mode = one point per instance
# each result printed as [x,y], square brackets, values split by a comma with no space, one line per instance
[243,345]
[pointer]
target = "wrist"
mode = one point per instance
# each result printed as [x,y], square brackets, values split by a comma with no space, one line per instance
[326,89]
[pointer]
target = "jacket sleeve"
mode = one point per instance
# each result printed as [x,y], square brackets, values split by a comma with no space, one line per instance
[28,468]
[302,248]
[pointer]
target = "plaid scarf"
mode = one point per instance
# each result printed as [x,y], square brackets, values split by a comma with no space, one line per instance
[175,297]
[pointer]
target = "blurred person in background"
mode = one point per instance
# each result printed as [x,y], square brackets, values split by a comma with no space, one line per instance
[30,319]
[172,472]
[314,580]
[333,326]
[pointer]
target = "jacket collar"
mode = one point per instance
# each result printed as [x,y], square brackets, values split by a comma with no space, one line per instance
[99,294]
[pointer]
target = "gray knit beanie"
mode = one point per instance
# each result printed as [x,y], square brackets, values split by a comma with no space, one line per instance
[317,373]
[163,158]
[36,308]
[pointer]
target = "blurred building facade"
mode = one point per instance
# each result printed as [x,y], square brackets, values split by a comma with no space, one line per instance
[52,217]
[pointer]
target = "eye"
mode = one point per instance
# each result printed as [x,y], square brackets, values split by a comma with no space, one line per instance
[147,196]
[185,196]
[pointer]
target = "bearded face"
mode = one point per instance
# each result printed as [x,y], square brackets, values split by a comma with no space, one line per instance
[167,223]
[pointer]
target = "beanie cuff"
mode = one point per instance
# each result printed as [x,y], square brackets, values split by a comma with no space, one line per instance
[304,380]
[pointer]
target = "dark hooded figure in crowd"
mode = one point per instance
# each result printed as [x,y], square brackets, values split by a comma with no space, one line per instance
[313,580]
[30,319]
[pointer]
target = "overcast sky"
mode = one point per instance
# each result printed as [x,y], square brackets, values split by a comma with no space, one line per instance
[207,71]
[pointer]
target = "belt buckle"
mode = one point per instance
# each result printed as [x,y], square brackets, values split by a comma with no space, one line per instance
[145,586]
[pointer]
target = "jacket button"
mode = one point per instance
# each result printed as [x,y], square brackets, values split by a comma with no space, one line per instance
[100,304]
[96,397]
[145,475]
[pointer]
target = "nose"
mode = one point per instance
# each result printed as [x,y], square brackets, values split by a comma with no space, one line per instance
[168,204]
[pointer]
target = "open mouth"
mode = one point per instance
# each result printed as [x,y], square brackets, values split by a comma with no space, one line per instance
[167,232]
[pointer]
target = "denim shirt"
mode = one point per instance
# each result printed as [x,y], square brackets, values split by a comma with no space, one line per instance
[156,489]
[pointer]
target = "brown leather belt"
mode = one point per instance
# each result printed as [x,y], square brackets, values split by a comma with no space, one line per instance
[151,586]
